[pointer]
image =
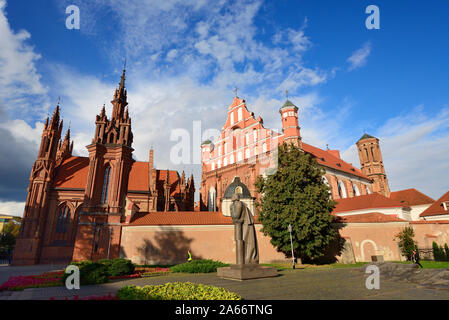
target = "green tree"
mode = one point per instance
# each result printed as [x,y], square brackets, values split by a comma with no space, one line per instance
[297,195]
[9,234]
[406,242]
[446,250]
[438,252]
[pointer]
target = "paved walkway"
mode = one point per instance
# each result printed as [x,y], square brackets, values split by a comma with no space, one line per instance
[345,284]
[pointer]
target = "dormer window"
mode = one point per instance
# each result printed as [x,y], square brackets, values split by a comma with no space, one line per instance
[445,205]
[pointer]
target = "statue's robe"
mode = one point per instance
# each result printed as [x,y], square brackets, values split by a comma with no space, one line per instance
[245,230]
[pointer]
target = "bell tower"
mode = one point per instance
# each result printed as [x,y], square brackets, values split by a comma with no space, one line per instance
[372,164]
[290,126]
[110,162]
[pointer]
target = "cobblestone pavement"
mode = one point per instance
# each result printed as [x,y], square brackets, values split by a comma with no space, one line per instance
[345,284]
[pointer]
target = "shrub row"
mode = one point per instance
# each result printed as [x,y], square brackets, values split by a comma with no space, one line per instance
[199,266]
[176,291]
[440,253]
[99,272]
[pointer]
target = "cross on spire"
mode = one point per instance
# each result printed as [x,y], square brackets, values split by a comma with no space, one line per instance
[286,94]
[236,91]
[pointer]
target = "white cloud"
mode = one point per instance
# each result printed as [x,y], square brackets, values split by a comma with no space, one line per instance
[20,82]
[359,57]
[12,208]
[414,150]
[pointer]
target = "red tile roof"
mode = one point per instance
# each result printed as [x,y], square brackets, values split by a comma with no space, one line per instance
[180,218]
[411,197]
[372,217]
[369,201]
[436,208]
[73,172]
[328,159]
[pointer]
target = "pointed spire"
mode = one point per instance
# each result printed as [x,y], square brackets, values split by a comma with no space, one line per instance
[122,80]
[103,111]
[55,119]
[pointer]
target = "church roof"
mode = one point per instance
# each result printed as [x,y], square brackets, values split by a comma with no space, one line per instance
[372,217]
[369,201]
[73,172]
[330,160]
[366,136]
[181,218]
[288,103]
[411,197]
[437,207]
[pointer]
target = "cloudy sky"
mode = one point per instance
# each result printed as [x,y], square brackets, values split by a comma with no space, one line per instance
[185,57]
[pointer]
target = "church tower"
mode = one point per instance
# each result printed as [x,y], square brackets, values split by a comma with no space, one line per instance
[110,162]
[372,164]
[29,242]
[290,126]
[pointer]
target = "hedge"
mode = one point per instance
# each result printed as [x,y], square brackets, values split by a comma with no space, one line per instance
[199,266]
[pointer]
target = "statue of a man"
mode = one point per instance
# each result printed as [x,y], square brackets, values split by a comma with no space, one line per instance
[245,232]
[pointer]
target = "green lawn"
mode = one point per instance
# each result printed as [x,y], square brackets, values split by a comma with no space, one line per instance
[430,264]
[288,265]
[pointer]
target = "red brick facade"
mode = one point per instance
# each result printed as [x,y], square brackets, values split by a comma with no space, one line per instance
[245,149]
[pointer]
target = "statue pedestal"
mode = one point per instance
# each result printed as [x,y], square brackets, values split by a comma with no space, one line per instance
[246,271]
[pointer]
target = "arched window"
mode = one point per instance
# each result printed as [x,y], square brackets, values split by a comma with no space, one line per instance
[212,201]
[63,223]
[104,193]
[355,190]
[240,114]
[368,190]
[342,190]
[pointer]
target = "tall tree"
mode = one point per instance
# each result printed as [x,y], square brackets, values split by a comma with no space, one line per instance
[297,195]
[406,242]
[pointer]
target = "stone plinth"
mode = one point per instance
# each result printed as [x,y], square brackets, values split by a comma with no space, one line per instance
[246,271]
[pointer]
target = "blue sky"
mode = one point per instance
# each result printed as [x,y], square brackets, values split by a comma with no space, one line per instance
[185,57]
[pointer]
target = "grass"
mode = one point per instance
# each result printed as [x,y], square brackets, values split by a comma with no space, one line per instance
[428,264]
[288,265]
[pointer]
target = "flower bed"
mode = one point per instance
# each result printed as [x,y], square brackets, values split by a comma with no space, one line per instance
[108,297]
[50,279]
[143,273]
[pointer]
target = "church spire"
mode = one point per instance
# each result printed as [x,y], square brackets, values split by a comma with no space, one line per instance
[120,99]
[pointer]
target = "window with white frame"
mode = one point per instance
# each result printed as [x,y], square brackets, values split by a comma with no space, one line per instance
[247,153]
[231,159]
[239,156]
[240,114]
[264,147]
[232,118]
[255,135]
[247,138]
[342,190]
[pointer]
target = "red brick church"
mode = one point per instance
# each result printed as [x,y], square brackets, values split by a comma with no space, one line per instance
[76,205]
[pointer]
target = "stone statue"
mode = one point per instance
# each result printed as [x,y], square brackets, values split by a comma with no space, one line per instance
[245,233]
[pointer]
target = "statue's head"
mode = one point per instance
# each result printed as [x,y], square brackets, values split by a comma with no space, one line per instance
[235,197]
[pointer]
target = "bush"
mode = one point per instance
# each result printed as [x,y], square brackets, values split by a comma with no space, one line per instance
[406,242]
[446,249]
[90,272]
[120,267]
[176,291]
[199,266]
[438,252]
